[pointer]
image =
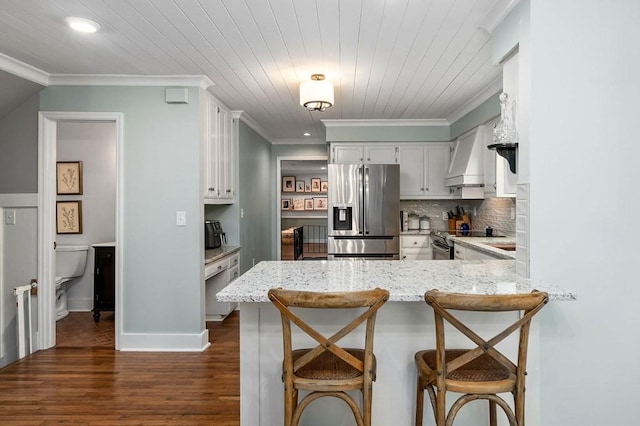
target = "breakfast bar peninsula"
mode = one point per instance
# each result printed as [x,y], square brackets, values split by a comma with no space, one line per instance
[404,326]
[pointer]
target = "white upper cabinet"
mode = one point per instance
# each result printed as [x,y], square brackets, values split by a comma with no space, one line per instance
[423,167]
[347,153]
[364,153]
[381,154]
[218,151]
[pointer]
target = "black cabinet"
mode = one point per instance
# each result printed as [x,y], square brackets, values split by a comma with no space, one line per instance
[104,280]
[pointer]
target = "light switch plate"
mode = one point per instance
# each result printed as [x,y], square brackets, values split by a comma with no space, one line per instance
[181,218]
[9,217]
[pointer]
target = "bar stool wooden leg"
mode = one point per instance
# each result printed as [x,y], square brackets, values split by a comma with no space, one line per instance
[493,420]
[419,401]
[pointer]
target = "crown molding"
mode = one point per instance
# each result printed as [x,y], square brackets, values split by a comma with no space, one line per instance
[494,87]
[385,122]
[26,71]
[497,13]
[249,121]
[299,142]
[201,81]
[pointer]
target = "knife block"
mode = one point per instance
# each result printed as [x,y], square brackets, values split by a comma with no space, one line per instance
[452,226]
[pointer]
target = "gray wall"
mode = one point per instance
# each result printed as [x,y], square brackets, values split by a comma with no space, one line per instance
[255,174]
[18,243]
[486,111]
[585,88]
[95,145]
[19,148]
[162,263]
[391,133]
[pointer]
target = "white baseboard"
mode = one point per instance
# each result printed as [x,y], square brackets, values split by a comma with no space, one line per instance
[138,342]
[79,305]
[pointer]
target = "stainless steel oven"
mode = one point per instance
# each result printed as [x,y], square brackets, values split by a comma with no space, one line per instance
[441,246]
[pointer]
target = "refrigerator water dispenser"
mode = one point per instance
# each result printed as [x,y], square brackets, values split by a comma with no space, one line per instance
[342,218]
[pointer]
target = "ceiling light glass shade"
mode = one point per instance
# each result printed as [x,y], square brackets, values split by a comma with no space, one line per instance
[82,25]
[316,94]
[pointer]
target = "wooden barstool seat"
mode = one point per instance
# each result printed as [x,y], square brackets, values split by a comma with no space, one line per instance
[328,369]
[481,372]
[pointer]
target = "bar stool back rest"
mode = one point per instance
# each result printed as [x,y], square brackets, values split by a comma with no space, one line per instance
[328,369]
[481,372]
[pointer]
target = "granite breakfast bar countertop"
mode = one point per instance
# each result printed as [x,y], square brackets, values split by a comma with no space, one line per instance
[407,281]
[403,326]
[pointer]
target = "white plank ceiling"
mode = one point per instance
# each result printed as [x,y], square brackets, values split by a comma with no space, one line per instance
[388,59]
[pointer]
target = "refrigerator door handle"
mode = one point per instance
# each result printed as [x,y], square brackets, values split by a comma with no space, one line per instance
[366,200]
[361,183]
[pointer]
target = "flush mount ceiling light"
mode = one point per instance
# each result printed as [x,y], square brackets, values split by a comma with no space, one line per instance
[316,94]
[306,134]
[82,25]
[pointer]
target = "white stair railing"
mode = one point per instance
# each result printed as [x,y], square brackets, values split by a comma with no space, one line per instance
[22,293]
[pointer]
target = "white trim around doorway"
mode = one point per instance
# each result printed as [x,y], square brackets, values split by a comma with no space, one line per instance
[279,161]
[47,138]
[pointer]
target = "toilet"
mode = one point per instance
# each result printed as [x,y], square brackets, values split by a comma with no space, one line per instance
[71,261]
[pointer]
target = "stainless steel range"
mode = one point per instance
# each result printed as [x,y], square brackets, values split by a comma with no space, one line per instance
[441,245]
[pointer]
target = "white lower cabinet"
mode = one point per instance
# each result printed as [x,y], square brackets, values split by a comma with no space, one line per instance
[218,275]
[415,247]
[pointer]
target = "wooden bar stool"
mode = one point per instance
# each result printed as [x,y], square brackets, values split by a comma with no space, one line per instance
[328,369]
[481,372]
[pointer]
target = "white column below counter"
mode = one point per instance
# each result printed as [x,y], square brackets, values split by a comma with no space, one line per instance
[402,329]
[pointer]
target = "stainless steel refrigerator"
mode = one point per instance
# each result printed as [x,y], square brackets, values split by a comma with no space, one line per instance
[364,211]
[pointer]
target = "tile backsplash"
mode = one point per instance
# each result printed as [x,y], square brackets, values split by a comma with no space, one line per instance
[494,212]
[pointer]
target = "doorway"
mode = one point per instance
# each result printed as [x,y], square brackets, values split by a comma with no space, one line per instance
[73,126]
[301,220]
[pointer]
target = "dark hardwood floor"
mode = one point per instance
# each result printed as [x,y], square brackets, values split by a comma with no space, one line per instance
[100,386]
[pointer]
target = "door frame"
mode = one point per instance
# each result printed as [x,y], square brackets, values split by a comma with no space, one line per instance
[279,161]
[47,142]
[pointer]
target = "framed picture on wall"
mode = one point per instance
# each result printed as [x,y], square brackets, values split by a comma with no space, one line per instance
[308,203]
[324,186]
[288,184]
[315,184]
[320,203]
[69,177]
[299,186]
[69,217]
[286,204]
[298,204]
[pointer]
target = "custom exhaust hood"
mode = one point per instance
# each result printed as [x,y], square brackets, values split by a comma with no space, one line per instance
[466,170]
[467,163]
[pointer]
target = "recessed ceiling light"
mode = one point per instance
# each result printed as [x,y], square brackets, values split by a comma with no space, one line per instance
[82,25]
[306,134]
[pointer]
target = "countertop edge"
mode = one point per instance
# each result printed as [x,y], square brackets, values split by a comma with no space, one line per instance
[481,245]
[212,255]
[407,281]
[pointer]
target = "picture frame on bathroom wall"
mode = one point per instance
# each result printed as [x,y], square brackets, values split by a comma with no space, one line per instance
[324,186]
[69,217]
[69,177]
[299,186]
